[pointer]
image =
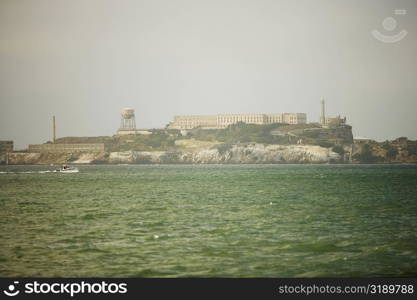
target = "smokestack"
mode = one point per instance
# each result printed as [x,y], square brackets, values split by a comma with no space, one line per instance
[323,113]
[53,128]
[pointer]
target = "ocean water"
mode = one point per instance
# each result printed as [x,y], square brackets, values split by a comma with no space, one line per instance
[209,221]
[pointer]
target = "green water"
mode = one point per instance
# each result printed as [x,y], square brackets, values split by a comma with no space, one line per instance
[209,220]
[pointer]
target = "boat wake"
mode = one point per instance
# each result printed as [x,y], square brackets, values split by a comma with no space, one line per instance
[26,172]
[72,170]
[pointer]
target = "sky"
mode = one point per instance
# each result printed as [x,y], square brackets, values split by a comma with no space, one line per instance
[83,61]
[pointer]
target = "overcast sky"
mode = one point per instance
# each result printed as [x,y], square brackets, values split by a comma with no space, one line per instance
[83,61]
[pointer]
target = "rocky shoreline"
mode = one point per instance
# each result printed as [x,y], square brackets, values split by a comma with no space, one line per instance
[239,144]
[237,154]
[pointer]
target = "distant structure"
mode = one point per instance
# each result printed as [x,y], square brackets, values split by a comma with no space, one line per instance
[69,148]
[323,113]
[6,146]
[222,121]
[361,139]
[128,123]
[327,122]
[53,129]
[128,119]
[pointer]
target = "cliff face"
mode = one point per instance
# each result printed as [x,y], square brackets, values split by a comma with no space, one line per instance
[248,154]
[369,152]
[236,144]
[400,150]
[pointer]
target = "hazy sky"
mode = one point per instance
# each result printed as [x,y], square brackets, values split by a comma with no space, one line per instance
[85,60]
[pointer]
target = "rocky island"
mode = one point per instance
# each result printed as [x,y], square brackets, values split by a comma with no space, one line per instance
[238,143]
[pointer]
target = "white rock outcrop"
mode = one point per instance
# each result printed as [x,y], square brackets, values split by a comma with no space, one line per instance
[219,154]
[252,153]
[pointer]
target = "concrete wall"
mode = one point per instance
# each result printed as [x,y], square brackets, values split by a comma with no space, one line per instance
[67,148]
[6,146]
[136,131]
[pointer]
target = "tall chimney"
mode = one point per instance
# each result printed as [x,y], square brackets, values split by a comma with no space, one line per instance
[323,113]
[54,128]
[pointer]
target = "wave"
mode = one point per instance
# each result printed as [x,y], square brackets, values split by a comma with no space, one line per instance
[27,172]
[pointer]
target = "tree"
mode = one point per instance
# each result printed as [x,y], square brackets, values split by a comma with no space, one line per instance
[391,151]
[366,156]
[338,149]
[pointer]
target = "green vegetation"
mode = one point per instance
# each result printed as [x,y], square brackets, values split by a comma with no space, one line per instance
[324,144]
[314,134]
[338,149]
[392,151]
[172,143]
[240,133]
[164,139]
[223,148]
[412,148]
[366,156]
[159,140]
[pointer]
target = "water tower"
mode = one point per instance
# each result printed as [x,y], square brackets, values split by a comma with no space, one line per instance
[128,119]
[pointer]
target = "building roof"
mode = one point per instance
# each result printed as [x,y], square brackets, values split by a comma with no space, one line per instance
[362,138]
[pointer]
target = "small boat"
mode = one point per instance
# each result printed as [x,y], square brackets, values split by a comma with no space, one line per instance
[67,169]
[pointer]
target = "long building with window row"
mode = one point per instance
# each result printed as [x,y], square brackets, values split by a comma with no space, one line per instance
[222,121]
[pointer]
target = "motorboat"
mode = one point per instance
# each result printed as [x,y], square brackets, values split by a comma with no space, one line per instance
[67,169]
